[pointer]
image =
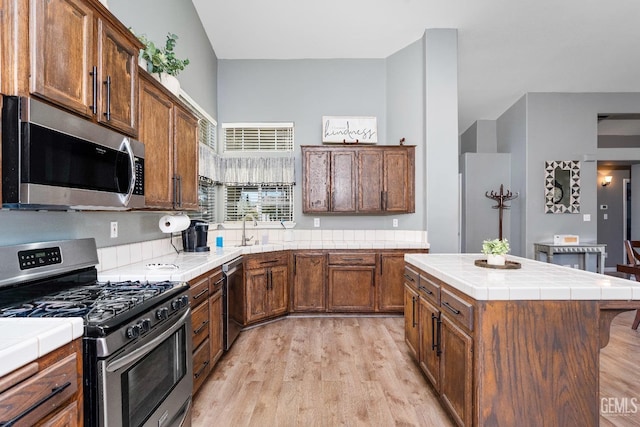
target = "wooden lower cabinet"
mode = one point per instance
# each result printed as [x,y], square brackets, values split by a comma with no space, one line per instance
[266,286]
[411,325]
[351,288]
[429,342]
[28,393]
[206,323]
[456,369]
[215,317]
[309,278]
[390,289]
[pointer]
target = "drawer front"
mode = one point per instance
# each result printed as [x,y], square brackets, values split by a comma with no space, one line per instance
[352,259]
[199,292]
[267,260]
[457,309]
[430,290]
[215,282]
[51,387]
[201,365]
[200,324]
[411,278]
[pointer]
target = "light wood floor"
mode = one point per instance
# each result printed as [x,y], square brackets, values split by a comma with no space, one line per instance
[356,371]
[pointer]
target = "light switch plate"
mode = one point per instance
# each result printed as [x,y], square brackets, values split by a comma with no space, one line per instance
[114,229]
[316,222]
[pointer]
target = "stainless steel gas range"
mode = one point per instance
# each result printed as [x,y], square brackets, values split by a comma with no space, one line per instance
[137,335]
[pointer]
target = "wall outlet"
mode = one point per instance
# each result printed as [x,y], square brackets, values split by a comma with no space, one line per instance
[586,217]
[395,222]
[606,216]
[316,222]
[114,229]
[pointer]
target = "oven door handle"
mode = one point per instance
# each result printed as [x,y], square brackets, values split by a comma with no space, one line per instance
[139,353]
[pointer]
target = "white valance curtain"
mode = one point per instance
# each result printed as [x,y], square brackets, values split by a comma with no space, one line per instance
[258,170]
[246,170]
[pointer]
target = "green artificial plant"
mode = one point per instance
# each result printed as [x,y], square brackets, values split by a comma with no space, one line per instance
[162,60]
[495,247]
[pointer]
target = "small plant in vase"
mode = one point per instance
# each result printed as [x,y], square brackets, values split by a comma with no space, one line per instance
[495,250]
[163,61]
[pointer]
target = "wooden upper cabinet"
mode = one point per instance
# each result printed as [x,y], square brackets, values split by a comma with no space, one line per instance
[62,53]
[358,179]
[343,181]
[370,183]
[186,159]
[170,135]
[316,180]
[85,60]
[117,74]
[399,180]
[156,132]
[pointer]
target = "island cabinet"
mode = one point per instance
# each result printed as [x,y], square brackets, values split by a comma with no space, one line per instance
[518,358]
[352,279]
[358,179]
[45,392]
[412,312]
[85,60]
[206,324]
[266,290]
[170,135]
[308,283]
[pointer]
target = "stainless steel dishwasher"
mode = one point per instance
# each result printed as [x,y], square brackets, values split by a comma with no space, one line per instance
[232,301]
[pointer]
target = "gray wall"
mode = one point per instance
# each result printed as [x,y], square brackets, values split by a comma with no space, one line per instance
[441,138]
[558,126]
[635,202]
[479,219]
[610,230]
[405,98]
[480,137]
[511,134]
[303,91]
[155,18]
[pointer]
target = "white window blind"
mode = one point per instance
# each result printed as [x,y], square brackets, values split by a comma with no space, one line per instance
[207,200]
[258,136]
[264,203]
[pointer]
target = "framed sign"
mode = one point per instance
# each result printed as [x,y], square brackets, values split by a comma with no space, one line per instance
[352,130]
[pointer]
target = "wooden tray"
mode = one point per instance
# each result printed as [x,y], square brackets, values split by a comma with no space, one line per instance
[508,265]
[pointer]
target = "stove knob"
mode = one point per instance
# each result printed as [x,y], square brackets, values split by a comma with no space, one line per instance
[184,301]
[133,331]
[145,325]
[175,304]
[162,313]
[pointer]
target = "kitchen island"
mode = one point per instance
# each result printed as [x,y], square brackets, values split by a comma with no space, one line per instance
[511,347]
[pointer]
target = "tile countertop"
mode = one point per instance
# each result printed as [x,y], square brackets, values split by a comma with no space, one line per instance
[23,340]
[184,266]
[534,281]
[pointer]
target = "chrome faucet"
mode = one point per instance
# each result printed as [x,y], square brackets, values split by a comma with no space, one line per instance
[245,241]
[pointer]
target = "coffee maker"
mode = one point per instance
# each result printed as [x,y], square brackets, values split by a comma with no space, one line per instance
[194,238]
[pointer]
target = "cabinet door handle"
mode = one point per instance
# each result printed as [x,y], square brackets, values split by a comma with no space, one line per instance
[382,200]
[94,85]
[197,374]
[438,335]
[179,177]
[453,310]
[200,294]
[54,391]
[413,312]
[200,329]
[108,84]
[295,261]
[270,280]
[381,263]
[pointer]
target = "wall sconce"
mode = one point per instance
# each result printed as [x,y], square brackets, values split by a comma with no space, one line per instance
[606,181]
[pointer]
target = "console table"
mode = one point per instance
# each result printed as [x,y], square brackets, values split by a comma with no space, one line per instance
[583,249]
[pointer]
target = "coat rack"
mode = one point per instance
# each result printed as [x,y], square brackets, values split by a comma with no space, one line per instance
[501,198]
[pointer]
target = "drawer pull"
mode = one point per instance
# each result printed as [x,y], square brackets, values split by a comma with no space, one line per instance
[352,259]
[219,282]
[271,261]
[200,294]
[453,310]
[197,374]
[197,331]
[426,290]
[409,278]
[54,392]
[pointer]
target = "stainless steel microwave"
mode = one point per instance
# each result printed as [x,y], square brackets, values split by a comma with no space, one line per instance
[52,159]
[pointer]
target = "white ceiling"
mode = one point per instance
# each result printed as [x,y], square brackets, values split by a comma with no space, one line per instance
[505,47]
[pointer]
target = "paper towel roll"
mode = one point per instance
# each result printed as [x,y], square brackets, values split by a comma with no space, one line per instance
[174,223]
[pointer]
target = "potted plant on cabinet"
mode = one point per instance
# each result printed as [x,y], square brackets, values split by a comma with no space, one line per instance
[495,251]
[162,62]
